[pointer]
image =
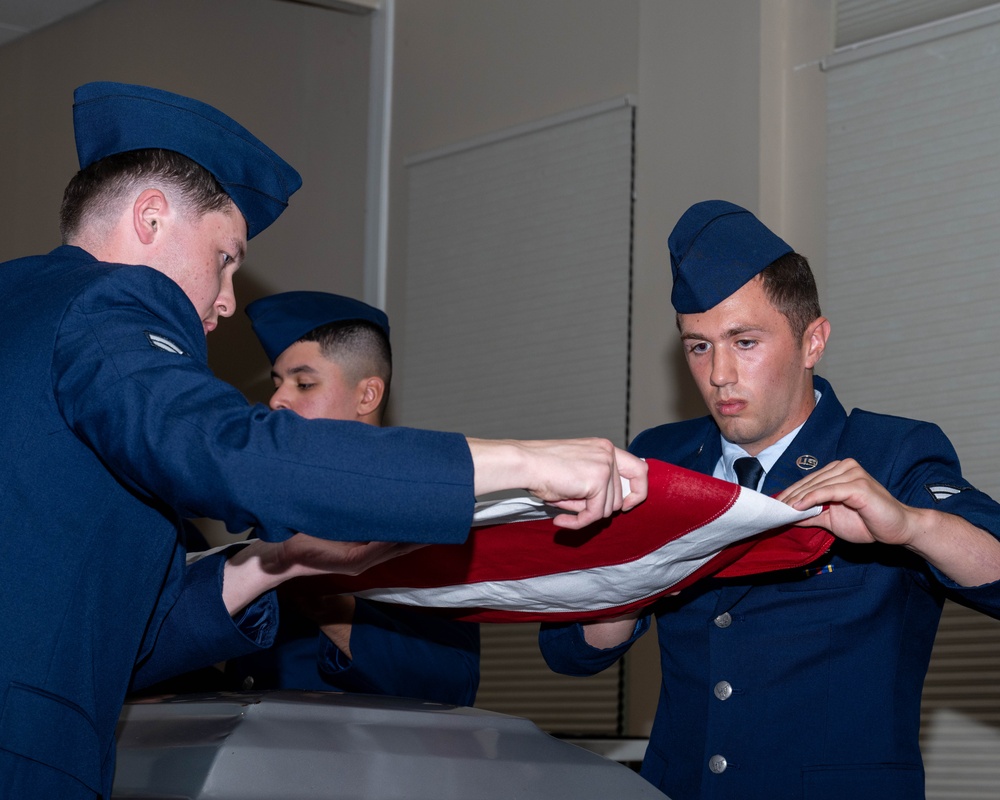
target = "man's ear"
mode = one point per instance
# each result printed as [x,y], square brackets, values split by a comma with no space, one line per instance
[814,341]
[370,399]
[149,211]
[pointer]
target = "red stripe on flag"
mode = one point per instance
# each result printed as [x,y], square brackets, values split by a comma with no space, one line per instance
[680,503]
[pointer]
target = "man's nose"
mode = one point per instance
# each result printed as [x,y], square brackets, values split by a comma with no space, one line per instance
[723,367]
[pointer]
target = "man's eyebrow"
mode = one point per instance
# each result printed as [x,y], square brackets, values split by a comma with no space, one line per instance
[239,249]
[739,330]
[302,368]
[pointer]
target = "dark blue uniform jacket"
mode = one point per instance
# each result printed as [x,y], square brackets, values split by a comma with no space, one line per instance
[114,430]
[807,683]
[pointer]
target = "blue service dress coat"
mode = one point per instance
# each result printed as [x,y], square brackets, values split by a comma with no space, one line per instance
[805,683]
[114,430]
[197,631]
[397,651]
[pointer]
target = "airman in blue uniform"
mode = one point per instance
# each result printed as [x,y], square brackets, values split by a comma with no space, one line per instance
[116,431]
[804,683]
[332,358]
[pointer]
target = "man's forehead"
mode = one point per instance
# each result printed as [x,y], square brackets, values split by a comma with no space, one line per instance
[747,306]
[294,368]
[308,357]
[300,354]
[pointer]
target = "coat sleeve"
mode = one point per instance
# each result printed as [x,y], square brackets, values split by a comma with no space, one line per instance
[131,380]
[197,629]
[568,653]
[922,469]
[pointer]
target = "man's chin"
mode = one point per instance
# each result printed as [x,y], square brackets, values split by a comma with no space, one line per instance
[736,431]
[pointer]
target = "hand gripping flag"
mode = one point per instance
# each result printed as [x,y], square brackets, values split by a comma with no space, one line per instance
[691,526]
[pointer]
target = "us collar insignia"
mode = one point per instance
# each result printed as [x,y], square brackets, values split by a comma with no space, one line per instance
[807,462]
[163,343]
[942,491]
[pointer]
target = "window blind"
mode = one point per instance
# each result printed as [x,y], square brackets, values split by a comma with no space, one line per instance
[860,20]
[913,286]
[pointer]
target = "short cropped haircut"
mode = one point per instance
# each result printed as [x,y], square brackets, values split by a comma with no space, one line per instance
[360,348]
[789,284]
[98,190]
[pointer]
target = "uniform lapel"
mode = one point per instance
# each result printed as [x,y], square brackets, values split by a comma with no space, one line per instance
[814,446]
[707,455]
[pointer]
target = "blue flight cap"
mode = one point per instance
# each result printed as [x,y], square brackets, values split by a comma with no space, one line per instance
[112,118]
[715,248]
[282,319]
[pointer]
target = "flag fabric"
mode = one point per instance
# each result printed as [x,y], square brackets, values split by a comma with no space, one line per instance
[691,526]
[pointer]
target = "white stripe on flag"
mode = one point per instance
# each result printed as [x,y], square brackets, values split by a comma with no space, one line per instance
[611,585]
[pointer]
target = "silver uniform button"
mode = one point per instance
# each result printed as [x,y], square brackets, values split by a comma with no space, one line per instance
[724,620]
[718,764]
[723,690]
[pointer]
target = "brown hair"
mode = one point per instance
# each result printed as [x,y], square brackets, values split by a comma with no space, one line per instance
[100,188]
[789,284]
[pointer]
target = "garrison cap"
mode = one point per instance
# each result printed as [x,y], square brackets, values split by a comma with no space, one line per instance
[280,320]
[111,118]
[715,248]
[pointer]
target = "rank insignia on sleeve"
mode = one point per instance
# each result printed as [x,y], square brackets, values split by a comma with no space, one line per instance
[942,491]
[163,343]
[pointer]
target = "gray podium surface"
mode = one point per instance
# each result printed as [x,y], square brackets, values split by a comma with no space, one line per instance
[307,745]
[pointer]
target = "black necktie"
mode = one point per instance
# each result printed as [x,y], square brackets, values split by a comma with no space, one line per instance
[748,471]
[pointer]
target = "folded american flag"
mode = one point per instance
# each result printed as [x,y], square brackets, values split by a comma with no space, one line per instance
[690,526]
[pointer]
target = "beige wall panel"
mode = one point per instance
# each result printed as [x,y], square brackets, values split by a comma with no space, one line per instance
[470,67]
